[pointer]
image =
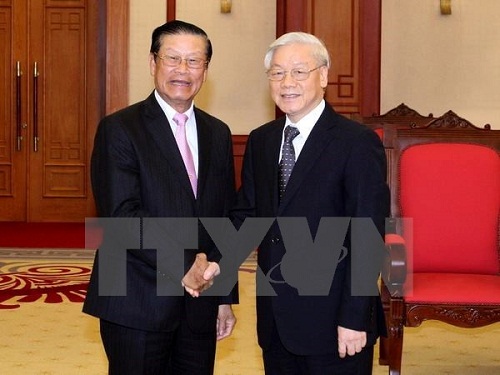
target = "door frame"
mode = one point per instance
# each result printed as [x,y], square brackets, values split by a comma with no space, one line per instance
[116,22]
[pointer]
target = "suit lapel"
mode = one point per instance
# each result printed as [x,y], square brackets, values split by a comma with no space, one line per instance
[158,126]
[320,136]
[270,152]
[204,147]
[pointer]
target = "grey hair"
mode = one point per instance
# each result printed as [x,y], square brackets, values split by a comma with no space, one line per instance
[320,52]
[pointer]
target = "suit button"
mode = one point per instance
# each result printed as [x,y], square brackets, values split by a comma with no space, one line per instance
[275,240]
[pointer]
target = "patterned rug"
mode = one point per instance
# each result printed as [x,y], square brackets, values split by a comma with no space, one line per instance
[51,338]
[51,276]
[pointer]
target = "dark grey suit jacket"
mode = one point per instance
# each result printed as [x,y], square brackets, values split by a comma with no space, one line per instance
[138,172]
[341,172]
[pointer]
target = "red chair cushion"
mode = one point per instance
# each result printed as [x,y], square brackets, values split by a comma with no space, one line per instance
[392,238]
[449,288]
[452,193]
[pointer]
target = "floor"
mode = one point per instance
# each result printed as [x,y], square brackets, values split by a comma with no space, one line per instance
[42,338]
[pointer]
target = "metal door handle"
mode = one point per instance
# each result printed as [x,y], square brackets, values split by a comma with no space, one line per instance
[19,125]
[35,106]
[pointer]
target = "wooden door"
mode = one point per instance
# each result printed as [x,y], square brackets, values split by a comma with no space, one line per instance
[52,101]
[351,32]
[12,163]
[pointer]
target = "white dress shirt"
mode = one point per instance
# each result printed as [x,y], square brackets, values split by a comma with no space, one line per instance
[305,126]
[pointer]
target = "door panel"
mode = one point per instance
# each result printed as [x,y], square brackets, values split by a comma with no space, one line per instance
[341,37]
[57,168]
[13,92]
[351,32]
[62,104]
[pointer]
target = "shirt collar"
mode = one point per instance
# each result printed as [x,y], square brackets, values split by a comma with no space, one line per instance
[169,111]
[306,123]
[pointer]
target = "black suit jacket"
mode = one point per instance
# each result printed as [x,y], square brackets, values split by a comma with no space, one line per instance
[137,171]
[340,172]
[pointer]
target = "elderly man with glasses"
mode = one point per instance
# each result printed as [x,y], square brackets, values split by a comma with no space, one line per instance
[163,158]
[313,165]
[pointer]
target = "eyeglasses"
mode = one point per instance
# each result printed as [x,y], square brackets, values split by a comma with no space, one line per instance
[298,74]
[175,61]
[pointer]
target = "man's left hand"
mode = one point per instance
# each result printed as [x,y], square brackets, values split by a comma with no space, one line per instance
[350,341]
[225,321]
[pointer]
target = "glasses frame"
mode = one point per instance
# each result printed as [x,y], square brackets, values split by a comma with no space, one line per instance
[179,60]
[292,73]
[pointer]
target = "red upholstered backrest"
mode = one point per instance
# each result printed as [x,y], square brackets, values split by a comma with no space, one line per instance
[452,193]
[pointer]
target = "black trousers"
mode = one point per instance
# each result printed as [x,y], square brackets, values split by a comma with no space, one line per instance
[279,361]
[136,352]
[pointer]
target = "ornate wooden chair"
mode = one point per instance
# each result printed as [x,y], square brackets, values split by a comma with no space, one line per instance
[401,116]
[386,124]
[443,261]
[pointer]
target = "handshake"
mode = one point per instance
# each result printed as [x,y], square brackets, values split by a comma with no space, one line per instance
[200,276]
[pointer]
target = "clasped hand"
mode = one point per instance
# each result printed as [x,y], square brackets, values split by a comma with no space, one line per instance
[200,276]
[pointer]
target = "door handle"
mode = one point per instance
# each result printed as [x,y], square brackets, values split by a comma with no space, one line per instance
[36,73]
[19,137]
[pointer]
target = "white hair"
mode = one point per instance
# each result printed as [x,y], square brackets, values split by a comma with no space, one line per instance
[320,52]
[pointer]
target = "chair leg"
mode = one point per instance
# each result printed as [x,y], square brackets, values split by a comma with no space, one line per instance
[395,352]
[396,332]
[383,357]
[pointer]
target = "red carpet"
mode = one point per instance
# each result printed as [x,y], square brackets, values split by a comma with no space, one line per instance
[48,235]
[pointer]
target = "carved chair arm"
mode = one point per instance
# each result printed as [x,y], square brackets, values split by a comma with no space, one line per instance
[394,268]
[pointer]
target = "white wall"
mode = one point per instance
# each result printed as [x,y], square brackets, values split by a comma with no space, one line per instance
[431,62]
[145,16]
[434,62]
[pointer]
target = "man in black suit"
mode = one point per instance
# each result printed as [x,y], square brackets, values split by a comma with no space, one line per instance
[338,170]
[139,171]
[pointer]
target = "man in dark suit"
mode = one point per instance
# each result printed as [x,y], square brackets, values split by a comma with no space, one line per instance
[141,170]
[338,169]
